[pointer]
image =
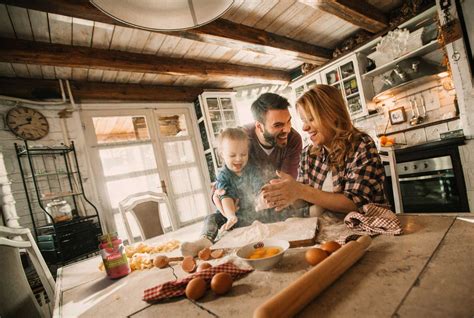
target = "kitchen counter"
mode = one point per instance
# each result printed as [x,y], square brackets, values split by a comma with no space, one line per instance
[425,272]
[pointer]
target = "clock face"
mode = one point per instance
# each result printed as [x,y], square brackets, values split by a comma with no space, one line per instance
[27,123]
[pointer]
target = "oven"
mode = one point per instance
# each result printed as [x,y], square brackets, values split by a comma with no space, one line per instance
[431,179]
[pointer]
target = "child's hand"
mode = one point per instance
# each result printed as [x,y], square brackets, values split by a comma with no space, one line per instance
[229,224]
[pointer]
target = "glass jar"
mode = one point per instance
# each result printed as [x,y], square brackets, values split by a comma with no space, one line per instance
[60,210]
[113,255]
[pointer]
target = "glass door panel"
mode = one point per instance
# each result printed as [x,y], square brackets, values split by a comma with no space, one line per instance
[173,125]
[212,104]
[226,103]
[347,70]
[184,171]
[179,152]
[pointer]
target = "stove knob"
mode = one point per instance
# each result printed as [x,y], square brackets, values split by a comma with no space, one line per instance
[405,168]
[415,167]
[426,165]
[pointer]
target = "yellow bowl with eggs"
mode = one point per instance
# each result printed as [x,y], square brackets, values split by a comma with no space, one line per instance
[263,255]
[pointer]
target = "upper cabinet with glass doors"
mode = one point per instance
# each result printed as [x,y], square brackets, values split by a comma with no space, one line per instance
[306,83]
[215,111]
[345,76]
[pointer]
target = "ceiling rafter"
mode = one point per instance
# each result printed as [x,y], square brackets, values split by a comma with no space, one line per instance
[40,53]
[221,32]
[40,89]
[359,13]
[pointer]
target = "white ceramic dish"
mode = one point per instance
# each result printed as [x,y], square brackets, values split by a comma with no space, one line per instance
[263,263]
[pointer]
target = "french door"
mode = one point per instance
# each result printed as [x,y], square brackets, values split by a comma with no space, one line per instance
[134,151]
[182,166]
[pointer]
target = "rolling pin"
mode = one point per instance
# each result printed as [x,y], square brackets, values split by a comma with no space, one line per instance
[289,301]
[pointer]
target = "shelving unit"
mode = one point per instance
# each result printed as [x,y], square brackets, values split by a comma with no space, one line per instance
[214,112]
[425,49]
[345,76]
[48,174]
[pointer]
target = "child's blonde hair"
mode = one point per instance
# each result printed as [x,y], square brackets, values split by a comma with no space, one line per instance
[232,134]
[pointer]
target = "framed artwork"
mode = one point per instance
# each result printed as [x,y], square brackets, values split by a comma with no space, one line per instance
[397,115]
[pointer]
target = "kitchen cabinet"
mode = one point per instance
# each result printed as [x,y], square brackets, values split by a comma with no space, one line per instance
[306,83]
[345,75]
[215,111]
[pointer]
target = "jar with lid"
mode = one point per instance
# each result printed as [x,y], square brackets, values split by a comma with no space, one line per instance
[113,255]
[59,210]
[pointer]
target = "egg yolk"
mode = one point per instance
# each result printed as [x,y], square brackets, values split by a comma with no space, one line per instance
[264,252]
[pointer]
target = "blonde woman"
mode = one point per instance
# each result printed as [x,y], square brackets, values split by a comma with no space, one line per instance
[340,170]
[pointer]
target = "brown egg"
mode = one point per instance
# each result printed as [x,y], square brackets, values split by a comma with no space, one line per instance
[161,261]
[315,255]
[196,288]
[221,283]
[217,253]
[204,254]
[188,265]
[203,266]
[330,247]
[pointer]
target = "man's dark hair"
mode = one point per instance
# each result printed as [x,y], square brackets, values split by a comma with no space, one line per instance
[266,102]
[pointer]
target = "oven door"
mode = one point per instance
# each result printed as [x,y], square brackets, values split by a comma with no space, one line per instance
[430,192]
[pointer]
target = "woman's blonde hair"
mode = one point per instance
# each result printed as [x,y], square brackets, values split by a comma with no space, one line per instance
[232,134]
[325,105]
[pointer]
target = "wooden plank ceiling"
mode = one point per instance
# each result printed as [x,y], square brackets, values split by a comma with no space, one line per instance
[255,41]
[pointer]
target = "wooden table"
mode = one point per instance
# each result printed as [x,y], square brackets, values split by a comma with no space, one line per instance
[427,272]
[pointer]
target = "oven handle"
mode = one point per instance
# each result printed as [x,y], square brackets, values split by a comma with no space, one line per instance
[435,176]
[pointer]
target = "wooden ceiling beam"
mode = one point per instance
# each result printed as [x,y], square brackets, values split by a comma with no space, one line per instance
[39,89]
[221,32]
[30,52]
[359,13]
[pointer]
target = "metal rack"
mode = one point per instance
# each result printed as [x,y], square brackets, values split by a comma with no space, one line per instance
[50,173]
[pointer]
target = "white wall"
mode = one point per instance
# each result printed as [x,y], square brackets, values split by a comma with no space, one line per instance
[55,137]
[463,82]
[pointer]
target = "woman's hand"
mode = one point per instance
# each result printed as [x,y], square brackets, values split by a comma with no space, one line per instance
[282,192]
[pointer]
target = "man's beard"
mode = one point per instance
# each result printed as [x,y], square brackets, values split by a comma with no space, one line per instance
[272,139]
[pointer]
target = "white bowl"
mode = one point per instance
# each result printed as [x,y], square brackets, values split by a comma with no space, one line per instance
[263,263]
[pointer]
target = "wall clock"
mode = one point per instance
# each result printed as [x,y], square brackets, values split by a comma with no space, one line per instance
[27,123]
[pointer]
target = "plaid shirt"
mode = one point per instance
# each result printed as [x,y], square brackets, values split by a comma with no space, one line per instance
[360,180]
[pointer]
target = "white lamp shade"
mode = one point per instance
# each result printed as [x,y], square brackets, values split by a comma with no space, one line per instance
[163,15]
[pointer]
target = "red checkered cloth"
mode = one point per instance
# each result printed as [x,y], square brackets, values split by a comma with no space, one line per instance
[373,220]
[178,287]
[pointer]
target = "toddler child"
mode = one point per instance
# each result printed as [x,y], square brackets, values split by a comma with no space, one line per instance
[242,184]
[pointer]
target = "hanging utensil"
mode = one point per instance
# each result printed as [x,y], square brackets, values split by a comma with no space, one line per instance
[423,106]
[414,118]
[419,118]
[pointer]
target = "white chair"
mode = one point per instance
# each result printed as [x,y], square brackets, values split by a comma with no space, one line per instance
[16,297]
[392,161]
[145,207]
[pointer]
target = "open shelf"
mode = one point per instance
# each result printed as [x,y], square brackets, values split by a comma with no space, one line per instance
[427,48]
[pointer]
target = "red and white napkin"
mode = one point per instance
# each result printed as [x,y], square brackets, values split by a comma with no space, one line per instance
[177,288]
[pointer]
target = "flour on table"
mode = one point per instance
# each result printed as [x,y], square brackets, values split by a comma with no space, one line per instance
[293,229]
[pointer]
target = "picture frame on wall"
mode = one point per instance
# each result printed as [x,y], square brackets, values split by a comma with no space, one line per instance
[397,115]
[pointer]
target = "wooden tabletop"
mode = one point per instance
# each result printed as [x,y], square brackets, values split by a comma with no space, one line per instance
[425,272]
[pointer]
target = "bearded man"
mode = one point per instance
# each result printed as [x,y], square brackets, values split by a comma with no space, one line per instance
[274,145]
